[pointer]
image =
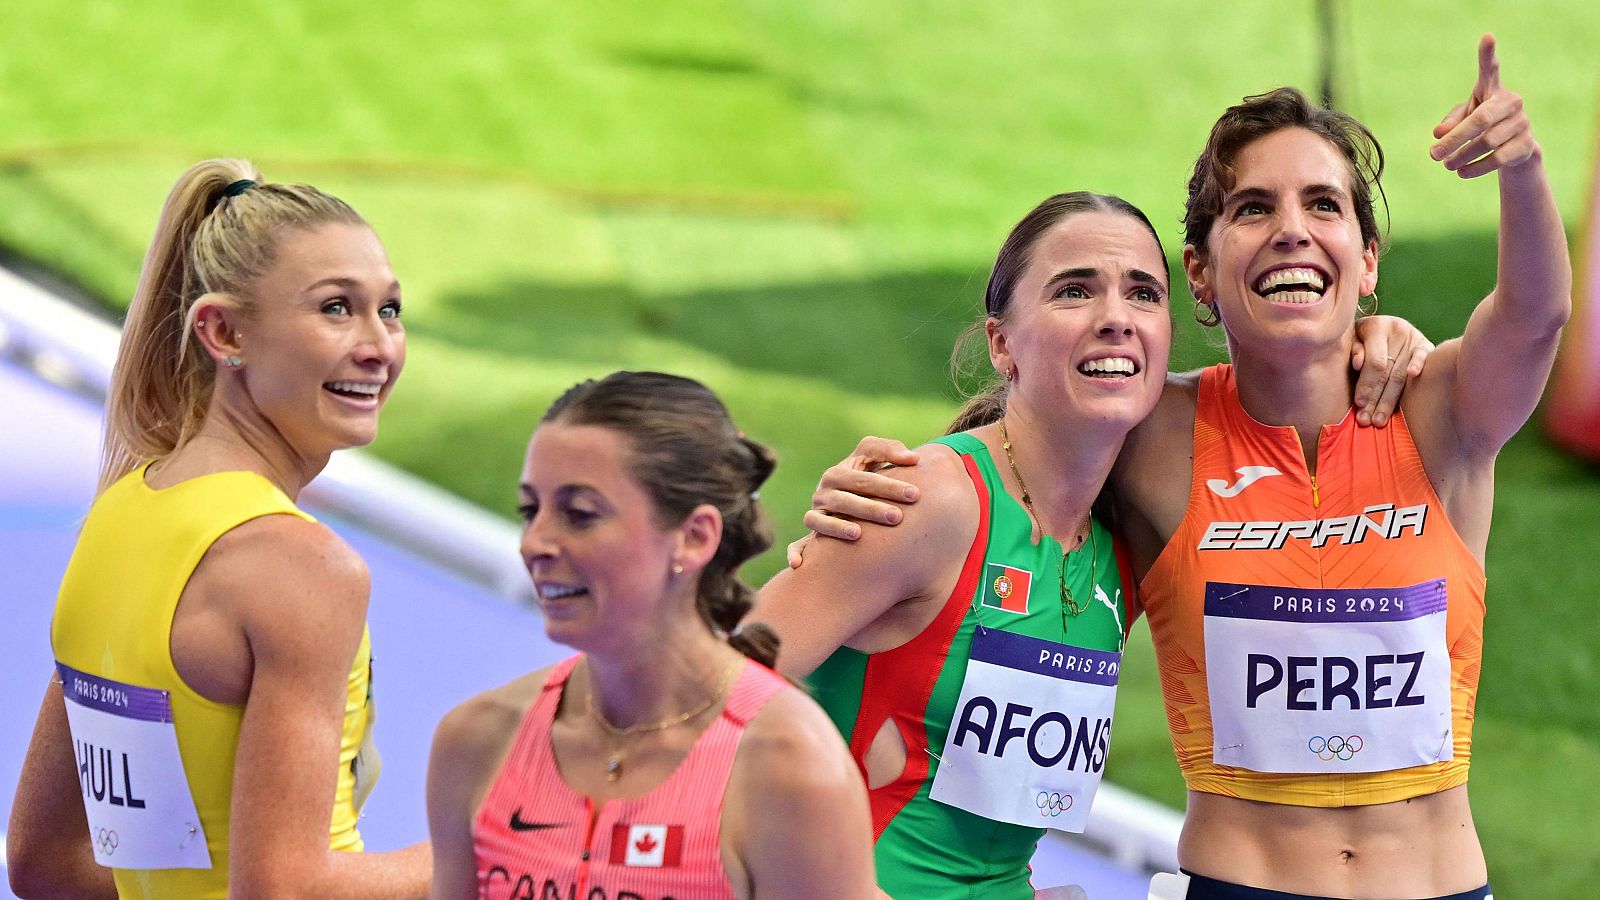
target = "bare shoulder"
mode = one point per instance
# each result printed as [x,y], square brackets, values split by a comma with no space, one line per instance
[791,759]
[486,723]
[945,485]
[944,516]
[791,727]
[1151,445]
[284,563]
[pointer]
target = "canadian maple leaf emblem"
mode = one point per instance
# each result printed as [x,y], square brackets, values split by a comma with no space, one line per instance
[645,844]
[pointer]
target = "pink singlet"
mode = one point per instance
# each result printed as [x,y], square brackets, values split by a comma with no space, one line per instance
[537,838]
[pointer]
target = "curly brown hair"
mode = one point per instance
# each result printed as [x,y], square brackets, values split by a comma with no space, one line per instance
[1259,116]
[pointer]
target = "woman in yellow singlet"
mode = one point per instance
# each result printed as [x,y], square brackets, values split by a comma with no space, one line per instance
[1315,588]
[206,730]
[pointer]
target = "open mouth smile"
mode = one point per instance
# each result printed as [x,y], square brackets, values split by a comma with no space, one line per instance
[1110,367]
[1292,284]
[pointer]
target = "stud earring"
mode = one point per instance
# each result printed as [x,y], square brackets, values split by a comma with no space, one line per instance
[677,569]
[1011,375]
[232,362]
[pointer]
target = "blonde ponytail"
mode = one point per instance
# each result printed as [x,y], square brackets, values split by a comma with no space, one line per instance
[215,235]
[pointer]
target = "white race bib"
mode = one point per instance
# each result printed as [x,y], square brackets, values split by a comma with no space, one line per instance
[1031,731]
[1321,680]
[141,814]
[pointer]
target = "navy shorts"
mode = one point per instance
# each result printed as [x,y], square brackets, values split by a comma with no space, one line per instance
[1203,888]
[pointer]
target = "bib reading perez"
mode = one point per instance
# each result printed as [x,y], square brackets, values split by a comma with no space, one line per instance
[1004,703]
[1311,626]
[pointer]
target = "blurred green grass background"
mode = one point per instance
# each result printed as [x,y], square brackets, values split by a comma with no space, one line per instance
[798,202]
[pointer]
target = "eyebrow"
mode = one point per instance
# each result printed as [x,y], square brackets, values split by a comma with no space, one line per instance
[1089,272]
[561,491]
[1256,193]
[1085,272]
[348,284]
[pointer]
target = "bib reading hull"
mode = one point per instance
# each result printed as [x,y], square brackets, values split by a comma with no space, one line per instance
[135,795]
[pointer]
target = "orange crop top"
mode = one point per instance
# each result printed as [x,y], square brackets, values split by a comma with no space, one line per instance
[1319,637]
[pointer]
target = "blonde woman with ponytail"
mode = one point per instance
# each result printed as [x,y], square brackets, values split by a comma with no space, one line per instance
[206,731]
[666,759]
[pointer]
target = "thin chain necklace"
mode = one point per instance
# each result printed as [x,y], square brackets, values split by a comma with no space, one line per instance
[619,750]
[1069,605]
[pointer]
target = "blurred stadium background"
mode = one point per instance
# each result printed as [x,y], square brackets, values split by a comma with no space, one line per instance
[798,202]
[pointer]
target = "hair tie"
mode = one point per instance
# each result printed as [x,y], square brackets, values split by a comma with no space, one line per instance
[238,187]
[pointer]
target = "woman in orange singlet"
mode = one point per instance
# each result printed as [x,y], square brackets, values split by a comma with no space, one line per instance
[666,760]
[1315,586]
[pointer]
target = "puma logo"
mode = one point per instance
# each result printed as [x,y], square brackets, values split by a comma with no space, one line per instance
[1248,475]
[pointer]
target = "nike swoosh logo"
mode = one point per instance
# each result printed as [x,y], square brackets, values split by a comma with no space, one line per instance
[1248,475]
[518,825]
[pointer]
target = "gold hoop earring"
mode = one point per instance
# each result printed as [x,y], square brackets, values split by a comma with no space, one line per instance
[1368,312]
[1206,314]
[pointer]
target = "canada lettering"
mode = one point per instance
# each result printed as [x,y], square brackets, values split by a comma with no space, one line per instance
[97,772]
[1318,683]
[1081,738]
[527,887]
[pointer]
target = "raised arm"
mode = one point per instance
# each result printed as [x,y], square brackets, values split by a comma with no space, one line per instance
[843,588]
[47,842]
[1503,360]
[303,622]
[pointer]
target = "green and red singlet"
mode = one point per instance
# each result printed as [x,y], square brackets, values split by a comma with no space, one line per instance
[926,848]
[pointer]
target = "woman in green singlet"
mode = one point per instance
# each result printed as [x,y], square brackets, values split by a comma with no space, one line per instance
[973,667]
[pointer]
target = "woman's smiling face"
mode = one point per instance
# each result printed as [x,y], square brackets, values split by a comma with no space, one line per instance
[1285,261]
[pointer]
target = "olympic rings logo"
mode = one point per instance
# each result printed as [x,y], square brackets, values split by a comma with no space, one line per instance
[1335,746]
[106,840]
[1052,804]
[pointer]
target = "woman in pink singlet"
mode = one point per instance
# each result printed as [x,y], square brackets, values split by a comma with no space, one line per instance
[665,760]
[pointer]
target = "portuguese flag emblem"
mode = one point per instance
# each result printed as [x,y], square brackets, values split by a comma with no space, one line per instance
[1005,587]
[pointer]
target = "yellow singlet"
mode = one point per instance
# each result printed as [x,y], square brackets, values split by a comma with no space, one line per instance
[113,619]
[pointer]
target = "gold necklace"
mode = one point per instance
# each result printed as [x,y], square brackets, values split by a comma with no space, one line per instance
[1069,605]
[619,750]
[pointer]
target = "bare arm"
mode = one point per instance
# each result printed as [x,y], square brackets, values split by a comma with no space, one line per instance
[303,623]
[845,588]
[468,749]
[821,844]
[47,843]
[1497,371]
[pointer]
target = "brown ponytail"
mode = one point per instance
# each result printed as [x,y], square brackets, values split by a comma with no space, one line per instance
[686,452]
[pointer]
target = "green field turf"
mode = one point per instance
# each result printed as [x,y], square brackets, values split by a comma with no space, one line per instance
[798,203]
